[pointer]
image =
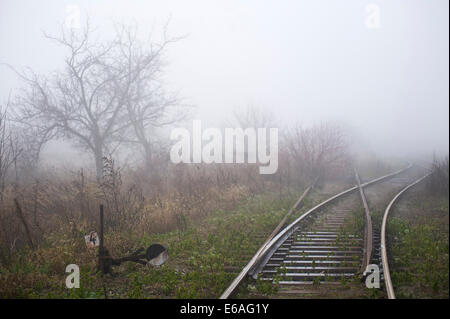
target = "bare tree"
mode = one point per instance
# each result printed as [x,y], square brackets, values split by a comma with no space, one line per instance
[317,150]
[254,117]
[149,106]
[9,149]
[101,93]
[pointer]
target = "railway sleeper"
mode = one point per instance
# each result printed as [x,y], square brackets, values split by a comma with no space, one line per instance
[311,276]
[315,257]
[302,270]
[321,247]
[340,244]
[328,236]
[312,263]
[314,251]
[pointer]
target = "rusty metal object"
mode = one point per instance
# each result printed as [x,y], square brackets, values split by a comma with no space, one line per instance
[384,258]
[265,252]
[293,209]
[368,231]
[155,254]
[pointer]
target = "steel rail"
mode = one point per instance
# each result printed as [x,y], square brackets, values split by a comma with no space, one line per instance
[368,231]
[265,252]
[258,255]
[384,258]
[282,236]
[293,209]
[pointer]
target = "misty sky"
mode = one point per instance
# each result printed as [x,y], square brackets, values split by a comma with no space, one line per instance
[307,61]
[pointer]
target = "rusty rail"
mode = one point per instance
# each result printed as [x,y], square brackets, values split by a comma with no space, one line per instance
[384,258]
[368,231]
[293,209]
[230,290]
[266,251]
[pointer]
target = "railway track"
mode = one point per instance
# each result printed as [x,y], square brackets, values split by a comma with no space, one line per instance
[384,256]
[318,254]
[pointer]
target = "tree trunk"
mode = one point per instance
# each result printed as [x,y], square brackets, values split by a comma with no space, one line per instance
[98,153]
[148,159]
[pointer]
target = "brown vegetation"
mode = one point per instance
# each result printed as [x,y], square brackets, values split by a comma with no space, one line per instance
[105,101]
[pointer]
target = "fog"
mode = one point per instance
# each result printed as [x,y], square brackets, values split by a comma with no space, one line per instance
[306,61]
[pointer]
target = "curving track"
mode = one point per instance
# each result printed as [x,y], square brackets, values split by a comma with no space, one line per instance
[384,257]
[317,247]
